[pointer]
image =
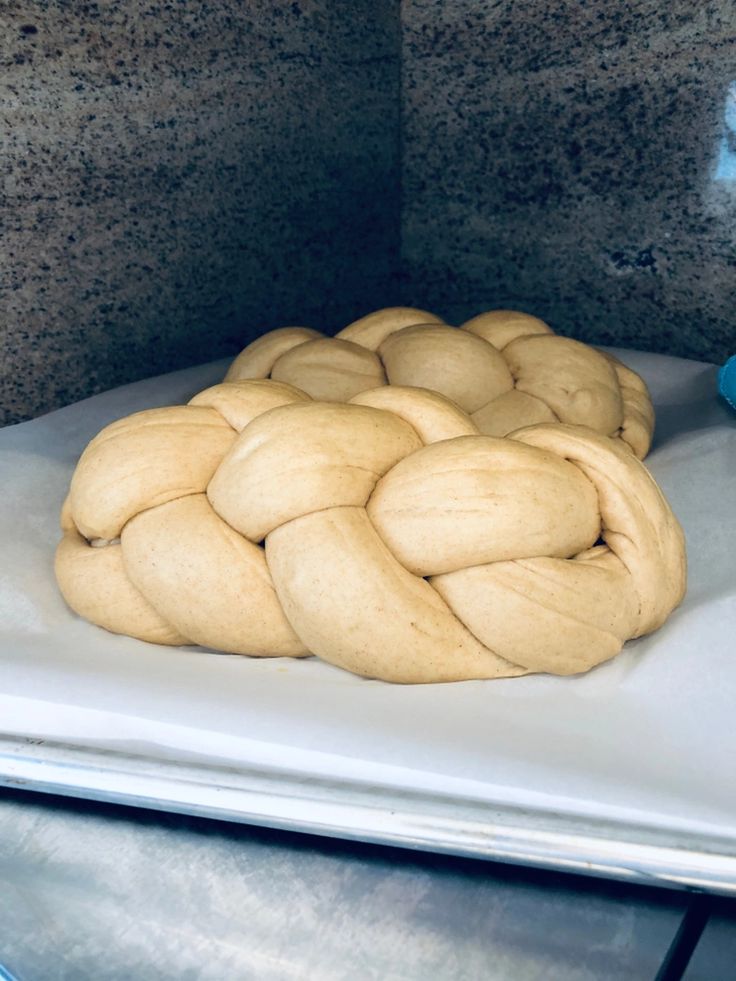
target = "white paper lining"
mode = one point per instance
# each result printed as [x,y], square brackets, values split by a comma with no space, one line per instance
[648,737]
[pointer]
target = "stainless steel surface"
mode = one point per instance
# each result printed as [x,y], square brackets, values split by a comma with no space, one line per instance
[346,809]
[96,893]
[714,958]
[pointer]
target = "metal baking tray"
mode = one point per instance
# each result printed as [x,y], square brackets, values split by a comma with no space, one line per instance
[626,772]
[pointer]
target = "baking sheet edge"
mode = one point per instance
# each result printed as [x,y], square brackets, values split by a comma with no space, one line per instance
[381,815]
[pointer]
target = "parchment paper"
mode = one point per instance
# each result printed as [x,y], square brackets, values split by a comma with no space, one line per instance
[650,736]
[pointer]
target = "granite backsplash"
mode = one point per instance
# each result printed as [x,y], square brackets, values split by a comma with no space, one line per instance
[576,161]
[180,177]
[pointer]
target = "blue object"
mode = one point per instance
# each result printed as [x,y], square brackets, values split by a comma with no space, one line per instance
[727,381]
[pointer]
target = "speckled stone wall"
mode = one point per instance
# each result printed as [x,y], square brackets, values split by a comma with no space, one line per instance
[179,177]
[577,161]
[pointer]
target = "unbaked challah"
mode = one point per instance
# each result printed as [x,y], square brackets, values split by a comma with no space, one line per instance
[506,369]
[385,535]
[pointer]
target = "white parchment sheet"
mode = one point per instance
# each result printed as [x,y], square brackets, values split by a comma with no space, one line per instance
[650,736]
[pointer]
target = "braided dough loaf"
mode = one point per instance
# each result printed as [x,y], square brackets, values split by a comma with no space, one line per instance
[386,535]
[506,369]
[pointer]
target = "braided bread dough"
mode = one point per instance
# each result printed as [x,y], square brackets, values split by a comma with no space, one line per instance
[506,369]
[385,535]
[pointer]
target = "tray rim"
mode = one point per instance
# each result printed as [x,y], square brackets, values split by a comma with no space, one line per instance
[355,810]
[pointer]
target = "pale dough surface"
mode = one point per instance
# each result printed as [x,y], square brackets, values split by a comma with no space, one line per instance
[504,368]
